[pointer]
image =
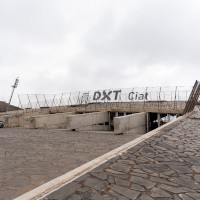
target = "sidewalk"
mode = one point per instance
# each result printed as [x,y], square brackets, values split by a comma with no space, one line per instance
[163,167]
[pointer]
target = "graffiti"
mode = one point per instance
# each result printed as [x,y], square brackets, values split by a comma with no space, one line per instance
[136,96]
[106,95]
[85,98]
[116,95]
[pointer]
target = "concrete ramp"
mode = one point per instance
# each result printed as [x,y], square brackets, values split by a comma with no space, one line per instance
[134,123]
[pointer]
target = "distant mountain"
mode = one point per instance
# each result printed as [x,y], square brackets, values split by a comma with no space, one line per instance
[4,105]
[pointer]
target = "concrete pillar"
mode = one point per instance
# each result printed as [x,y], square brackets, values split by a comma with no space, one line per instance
[147,122]
[109,122]
[168,117]
[124,113]
[158,116]
[116,114]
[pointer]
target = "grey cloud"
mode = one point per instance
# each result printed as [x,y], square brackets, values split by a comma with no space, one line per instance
[154,33]
[30,22]
[56,46]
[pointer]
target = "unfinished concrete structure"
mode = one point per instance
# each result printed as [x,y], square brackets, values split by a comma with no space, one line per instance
[106,110]
[122,117]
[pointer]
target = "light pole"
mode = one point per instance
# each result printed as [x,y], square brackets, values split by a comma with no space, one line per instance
[14,86]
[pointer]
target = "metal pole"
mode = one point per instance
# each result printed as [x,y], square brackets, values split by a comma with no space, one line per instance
[78,99]
[14,86]
[37,100]
[20,102]
[29,101]
[53,102]
[175,98]
[10,99]
[60,100]
[45,100]
[159,98]
[69,99]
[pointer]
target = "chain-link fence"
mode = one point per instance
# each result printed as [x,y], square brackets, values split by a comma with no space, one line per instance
[137,94]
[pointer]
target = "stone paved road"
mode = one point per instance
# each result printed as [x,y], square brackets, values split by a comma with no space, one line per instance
[31,157]
[163,167]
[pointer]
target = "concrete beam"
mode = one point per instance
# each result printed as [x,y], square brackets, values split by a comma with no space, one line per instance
[134,123]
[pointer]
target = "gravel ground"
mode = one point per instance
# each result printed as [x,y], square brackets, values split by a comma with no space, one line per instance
[31,157]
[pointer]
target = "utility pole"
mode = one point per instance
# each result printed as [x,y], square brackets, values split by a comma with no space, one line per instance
[14,86]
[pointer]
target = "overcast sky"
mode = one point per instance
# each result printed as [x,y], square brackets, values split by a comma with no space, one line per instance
[56,46]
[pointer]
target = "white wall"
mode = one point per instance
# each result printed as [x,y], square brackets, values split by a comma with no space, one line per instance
[67,121]
[134,123]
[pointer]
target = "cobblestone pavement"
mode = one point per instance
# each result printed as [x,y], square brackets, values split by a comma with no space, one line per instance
[31,157]
[163,167]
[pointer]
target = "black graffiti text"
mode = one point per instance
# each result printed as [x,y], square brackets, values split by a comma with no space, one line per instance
[106,95]
[138,96]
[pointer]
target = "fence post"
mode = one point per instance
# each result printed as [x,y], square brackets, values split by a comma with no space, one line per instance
[29,102]
[60,100]
[37,100]
[175,98]
[46,101]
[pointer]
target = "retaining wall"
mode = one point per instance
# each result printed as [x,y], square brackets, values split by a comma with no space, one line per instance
[85,120]
[134,123]
[47,121]
[67,121]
